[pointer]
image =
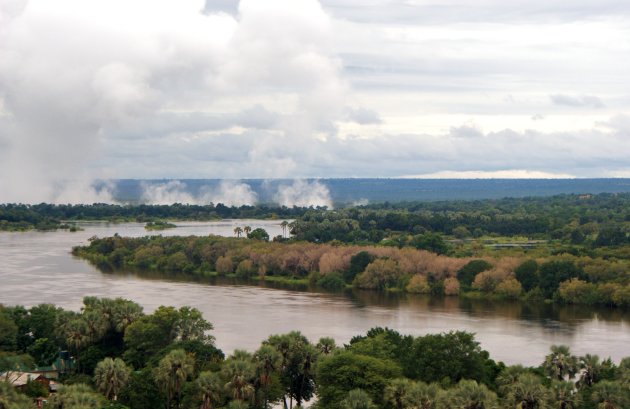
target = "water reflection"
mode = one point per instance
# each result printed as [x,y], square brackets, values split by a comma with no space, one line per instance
[36,267]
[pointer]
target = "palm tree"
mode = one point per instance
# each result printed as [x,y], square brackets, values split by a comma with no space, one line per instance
[469,395]
[110,376]
[125,314]
[422,396]
[590,368]
[239,373]
[326,345]
[210,386]
[564,395]
[610,395]
[77,336]
[528,392]
[396,391]
[238,231]
[284,225]
[247,230]
[508,377]
[96,323]
[172,372]
[560,364]
[358,399]
[268,361]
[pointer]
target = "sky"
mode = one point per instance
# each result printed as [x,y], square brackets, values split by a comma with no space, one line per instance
[310,89]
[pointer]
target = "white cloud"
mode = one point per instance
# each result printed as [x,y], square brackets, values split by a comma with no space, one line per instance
[307,88]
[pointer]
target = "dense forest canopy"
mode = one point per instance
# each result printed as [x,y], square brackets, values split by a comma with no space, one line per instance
[115,355]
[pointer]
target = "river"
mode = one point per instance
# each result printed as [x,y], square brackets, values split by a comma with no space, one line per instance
[37,267]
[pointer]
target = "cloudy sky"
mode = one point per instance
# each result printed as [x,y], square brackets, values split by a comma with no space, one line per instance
[307,88]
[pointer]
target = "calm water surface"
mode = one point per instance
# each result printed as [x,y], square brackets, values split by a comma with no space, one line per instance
[37,267]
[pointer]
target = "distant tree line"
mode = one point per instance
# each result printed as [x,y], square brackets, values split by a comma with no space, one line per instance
[50,216]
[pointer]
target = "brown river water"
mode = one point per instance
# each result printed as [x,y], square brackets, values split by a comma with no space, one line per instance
[37,267]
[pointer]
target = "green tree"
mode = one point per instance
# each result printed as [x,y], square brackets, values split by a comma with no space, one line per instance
[344,371]
[239,373]
[466,275]
[358,263]
[44,351]
[326,345]
[111,376]
[469,395]
[268,362]
[610,395]
[297,372]
[560,364]
[528,392]
[422,396]
[258,234]
[564,395]
[11,399]
[590,369]
[210,387]
[173,370]
[238,231]
[77,396]
[553,272]
[396,392]
[284,225]
[358,399]
[527,275]
[8,332]
[453,355]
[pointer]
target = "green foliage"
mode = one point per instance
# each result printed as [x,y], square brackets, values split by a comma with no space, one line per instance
[432,242]
[554,272]
[44,351]
[11,399]
[141,392]
[258,234]
[332,281]
[358,263]
[357,399]
[344,371]
[8,332]
[34,389]
[466,275]
[527,275]
[453,355]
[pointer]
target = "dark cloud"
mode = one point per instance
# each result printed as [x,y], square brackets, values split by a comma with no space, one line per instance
[589,101]
[225,6]
[363,116]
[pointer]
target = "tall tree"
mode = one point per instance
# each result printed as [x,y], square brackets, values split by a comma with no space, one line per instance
[528,392]
[171,374]
[469,395]
[239,373]
[560,364]
[238,231]
[268,361]
[111,376]
[210,386]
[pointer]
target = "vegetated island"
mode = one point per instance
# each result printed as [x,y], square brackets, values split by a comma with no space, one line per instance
[333,266]
[113,355]
[159,225]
